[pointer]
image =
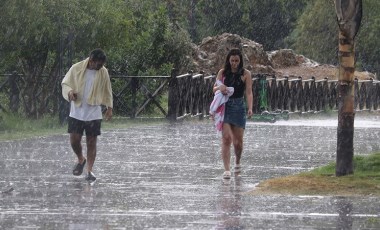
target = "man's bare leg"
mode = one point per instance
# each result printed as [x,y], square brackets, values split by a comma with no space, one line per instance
[76,145]
[91,151]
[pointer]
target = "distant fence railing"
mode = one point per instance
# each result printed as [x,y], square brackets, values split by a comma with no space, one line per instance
[178,96]
[309,95]
[189,95]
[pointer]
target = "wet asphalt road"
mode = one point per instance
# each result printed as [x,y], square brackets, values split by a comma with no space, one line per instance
[169,176]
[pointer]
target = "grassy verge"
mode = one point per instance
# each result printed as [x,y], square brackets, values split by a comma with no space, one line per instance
[13,127]
[322,181]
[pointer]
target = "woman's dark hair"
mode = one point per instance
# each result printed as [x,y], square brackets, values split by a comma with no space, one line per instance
[227,65]
[98,55]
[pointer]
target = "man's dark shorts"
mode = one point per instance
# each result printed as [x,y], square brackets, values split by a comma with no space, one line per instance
[92,128]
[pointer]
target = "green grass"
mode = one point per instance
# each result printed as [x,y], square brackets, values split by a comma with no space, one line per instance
[364,166]
[322,181]
[14,127]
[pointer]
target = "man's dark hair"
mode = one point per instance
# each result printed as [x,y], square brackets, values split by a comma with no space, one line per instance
[98,55]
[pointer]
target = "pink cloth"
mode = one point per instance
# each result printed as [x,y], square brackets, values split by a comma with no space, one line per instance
[217,106]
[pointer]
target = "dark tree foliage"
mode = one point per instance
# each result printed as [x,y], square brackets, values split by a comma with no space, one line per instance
[315,35]
[367,40]
[42,37]
[269,24]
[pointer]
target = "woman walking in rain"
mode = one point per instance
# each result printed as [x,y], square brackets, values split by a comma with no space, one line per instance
[234,75]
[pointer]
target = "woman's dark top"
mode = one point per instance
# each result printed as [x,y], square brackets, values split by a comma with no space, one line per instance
[234,80]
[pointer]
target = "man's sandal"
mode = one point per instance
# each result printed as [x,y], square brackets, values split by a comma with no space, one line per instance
[78,169]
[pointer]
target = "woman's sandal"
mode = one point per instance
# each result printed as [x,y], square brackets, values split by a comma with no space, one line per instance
[78,169]
[237,169]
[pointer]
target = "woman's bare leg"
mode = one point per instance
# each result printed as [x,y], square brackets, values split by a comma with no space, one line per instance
[238,143]
[226,145]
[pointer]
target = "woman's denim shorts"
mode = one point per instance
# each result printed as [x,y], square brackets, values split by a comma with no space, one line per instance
[235,112]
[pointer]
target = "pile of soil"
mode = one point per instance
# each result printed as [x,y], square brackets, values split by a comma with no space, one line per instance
[319,72]
[209,57]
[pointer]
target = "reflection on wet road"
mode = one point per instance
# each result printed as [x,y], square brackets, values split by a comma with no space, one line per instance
[169,176]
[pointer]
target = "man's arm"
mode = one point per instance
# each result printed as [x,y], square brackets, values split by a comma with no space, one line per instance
[109,97]
[66,89]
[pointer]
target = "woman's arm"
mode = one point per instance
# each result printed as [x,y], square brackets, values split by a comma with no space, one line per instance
[222,88]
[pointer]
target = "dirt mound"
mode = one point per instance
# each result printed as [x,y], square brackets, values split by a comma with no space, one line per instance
[209,57]
[319,72]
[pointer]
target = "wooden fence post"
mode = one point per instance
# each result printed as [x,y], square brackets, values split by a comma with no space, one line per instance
[201,107]
[369,100]
[134,85]
[173,99]
[273,94]
[299,94]
[356,93]
[255,90]
[377,96]
[286,94]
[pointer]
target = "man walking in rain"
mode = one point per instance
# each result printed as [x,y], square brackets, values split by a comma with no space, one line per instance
[87,86]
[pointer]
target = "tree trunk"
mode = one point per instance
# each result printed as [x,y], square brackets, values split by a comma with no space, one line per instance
[349,13]
[192,20]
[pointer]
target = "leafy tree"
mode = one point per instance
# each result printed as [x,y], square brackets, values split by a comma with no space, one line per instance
[217,17]
[267,22]
[293,10]
[43,38]
[159,44]
[316,33]
[367,41]
[37,34]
